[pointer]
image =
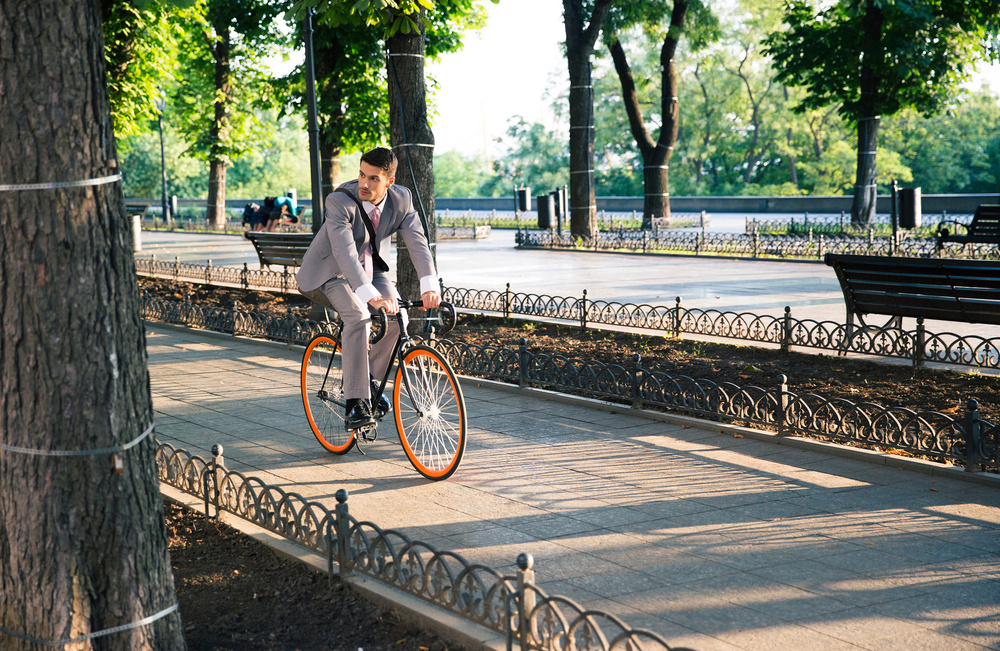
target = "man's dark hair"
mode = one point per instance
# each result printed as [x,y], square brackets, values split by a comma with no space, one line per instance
[382,158]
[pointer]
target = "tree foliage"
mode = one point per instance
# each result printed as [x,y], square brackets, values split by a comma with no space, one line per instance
[929,48]
[140,51]
[255,35]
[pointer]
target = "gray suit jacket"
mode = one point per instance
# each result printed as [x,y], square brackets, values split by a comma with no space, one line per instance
[339,246]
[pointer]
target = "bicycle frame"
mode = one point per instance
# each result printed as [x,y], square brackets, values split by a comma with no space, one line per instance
[402,339]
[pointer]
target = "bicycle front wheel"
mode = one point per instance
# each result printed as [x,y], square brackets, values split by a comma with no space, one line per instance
[323,394]
[430,412]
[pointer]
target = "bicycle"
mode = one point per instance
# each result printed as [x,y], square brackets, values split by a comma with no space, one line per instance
[426,401]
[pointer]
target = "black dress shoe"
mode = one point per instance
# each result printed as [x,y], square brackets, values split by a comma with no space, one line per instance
[382,407]
[358,416]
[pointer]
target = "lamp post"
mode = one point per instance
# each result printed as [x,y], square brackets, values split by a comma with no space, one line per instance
[161,103]
[315,172]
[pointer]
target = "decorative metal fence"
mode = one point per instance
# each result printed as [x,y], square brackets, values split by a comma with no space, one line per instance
[840,223]
[967,440]
[755,245]
[606,220]
[917,344]
[512,606]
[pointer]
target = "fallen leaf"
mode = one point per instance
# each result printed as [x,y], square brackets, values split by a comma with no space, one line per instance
[738,436]
[950,410]
[935,490]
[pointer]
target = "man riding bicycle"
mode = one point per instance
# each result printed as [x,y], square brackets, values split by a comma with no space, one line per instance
[344,270]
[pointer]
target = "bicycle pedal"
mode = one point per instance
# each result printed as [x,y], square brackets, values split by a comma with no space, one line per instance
[368,434]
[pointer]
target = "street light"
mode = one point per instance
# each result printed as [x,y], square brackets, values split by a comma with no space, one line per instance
[315,172]
[161,103]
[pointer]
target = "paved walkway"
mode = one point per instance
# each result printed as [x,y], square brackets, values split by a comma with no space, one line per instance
[713,541]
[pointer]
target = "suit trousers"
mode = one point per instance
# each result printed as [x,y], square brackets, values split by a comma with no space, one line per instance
[357,361]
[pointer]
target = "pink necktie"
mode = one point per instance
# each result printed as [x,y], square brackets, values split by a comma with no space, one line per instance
[369,266]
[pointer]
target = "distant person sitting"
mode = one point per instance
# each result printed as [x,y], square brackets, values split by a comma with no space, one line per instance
[285,208]
[259,217]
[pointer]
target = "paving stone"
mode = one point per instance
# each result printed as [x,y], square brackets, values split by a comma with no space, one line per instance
[711,541]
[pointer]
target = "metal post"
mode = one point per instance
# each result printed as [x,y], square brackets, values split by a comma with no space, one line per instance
[216,468]
[972,435]
[313,127]
[636,374]
[522,367]
[343,531]
[160,105]
[677,318]
[506,303]
[781,404]
[786,330]
[526,597]
[918,345]
[583,311]
[894,218]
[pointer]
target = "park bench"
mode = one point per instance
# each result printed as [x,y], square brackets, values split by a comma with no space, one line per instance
[284,249]
[983,229]
[136,210]
[932,288]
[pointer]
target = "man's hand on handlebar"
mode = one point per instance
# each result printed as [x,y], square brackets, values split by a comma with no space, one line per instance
[430,300]
[390,304]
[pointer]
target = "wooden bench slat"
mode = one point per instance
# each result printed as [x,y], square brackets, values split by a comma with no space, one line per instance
[284,249]
[947,290]
[983,229]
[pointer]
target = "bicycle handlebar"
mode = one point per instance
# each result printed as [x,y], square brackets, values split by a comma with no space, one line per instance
[447,317]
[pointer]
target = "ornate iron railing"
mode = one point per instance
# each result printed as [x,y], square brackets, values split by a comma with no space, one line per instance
[917,345]
[606,220]
[512,606]
[840,223]
[931,434]
[755,245]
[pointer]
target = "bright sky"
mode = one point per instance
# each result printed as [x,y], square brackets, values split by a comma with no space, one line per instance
[507,69]
[513,67]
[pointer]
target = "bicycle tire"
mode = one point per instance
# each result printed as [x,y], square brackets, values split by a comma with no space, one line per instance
[323,394]
[430,413]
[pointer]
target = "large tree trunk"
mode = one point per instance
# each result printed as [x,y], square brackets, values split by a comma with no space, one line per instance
[330,163]
[82,549]
[865,188]
[411,138]
[655,155]
[329,54]
[580,40]
[220,130]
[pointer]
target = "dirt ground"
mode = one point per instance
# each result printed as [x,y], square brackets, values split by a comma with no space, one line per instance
[236,594]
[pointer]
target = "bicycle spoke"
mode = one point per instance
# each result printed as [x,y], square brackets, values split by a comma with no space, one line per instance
[430,413]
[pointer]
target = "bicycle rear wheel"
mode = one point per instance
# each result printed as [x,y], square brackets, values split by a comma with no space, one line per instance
[323,394]
[430,412]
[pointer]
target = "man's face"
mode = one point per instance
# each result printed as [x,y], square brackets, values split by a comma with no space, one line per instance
[373,183]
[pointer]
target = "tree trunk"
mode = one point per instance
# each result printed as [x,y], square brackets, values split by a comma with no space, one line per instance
[655,155]
[330,164]
[328,55]
[866,185]
[413,142]
[220,131]
[82,549]
[580,40]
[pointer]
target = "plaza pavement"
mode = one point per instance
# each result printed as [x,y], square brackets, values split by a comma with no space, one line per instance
[712,536]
